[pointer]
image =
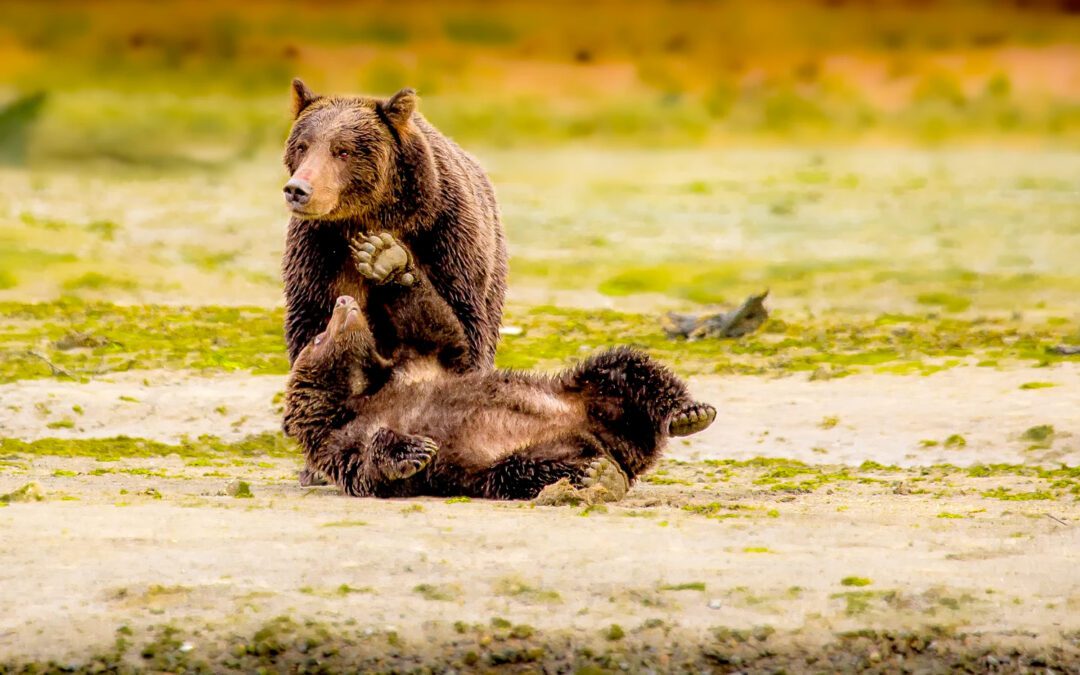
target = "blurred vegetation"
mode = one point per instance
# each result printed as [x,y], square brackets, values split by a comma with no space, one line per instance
[204,83]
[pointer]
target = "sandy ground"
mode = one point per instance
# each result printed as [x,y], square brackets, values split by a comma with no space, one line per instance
[902,420]
[122,549]
[153,547]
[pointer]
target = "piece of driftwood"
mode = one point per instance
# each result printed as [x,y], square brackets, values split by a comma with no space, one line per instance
[1066,350]
[743,320]
[56,370]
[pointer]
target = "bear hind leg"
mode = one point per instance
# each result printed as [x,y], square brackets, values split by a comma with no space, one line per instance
[528,470]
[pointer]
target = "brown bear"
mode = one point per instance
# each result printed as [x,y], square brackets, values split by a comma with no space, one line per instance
[361,165]
[364,165]
[375,430]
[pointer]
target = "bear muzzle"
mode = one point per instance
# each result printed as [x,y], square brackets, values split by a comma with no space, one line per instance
[297,193]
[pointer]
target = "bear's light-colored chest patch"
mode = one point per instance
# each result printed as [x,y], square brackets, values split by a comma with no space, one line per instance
[419,370]
[350,283]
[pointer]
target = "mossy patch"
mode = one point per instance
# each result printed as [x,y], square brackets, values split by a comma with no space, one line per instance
[239,489]
[515,587]
[438,592]
[955,441]
[857,602]
[947,301]
[686,586]
[855,581]
[1039,433]
[31,492]
[123,447]
[614,632]
[1008,495]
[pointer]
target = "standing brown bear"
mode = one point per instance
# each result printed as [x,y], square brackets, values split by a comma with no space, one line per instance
[364,165]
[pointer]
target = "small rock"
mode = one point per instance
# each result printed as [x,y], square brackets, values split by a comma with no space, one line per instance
[511,330]
[186,647]
[560,493]
[80,340]
[715,603]
[240,489]
[820,373]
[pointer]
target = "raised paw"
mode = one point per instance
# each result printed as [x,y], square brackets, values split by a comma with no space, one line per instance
[604,481]
[692,418]
[381,259]
[408,456]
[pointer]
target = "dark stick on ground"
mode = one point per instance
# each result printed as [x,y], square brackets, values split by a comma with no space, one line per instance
[743,320]
[56,370]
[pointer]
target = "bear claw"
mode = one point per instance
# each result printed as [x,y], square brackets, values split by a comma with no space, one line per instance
[311,478]
[691,419]
[409,457]
[380,258]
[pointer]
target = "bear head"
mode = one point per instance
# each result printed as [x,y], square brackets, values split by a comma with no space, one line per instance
[337,364]
[341,152]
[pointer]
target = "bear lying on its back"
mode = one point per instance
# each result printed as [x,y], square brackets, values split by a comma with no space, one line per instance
[366,423]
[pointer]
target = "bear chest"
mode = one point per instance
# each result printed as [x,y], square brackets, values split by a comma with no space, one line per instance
[349,282]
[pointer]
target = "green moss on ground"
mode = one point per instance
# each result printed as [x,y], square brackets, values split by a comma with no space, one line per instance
[83,339]
[122,447]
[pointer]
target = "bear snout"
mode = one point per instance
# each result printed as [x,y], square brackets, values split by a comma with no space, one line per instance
[297,192]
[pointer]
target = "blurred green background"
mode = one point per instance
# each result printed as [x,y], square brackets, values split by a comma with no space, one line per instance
[858,158]
[170,82]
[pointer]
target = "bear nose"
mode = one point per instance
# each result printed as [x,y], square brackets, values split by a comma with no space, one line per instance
[344,300]
[297,192]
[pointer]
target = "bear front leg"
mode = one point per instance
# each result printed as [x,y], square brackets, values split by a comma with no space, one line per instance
[365,464]
[397,456]
[404,302]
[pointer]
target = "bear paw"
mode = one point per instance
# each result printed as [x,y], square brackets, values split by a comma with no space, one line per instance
[407,457]
[692,418]
[381,259]
[312,478]
[604,481]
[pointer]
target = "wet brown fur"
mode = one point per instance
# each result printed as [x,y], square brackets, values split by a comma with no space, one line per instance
[499,434]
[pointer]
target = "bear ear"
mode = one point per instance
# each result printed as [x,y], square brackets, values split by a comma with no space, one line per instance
[302,97]
[400,107]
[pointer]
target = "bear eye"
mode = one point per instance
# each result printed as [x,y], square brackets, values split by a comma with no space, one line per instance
[343,154]
[301,147]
